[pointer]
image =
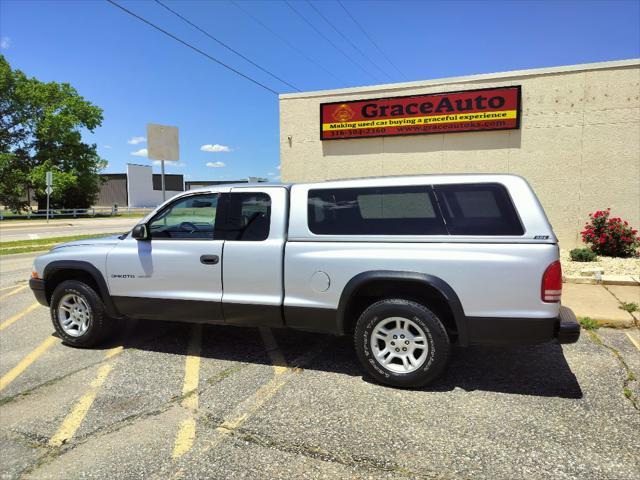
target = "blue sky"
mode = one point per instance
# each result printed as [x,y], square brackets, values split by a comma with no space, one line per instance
[139,76]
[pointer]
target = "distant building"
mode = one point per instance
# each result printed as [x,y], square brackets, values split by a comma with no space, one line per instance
[191,185]
[140,187]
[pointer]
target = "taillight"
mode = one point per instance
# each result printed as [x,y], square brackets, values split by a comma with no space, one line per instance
[552,283]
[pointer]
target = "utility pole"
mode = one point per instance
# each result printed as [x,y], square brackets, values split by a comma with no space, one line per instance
[164,193]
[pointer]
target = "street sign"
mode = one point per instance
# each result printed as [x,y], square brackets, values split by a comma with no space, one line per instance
[49,190]
[49,179]
[162,144]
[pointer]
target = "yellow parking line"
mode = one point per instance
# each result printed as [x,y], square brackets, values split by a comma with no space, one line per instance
[187,431]
[264,393]
[633,340]
[18,316]
[8,288]
[17,290]
[72,422]
[12,374]
[248,407]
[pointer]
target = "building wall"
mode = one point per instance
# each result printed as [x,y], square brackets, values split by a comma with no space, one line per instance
[578,145]
[113,191]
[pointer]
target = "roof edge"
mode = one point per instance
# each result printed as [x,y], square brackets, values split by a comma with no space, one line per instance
[467,78]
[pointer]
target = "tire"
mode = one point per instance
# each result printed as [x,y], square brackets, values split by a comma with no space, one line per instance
[411,321]
[90,325]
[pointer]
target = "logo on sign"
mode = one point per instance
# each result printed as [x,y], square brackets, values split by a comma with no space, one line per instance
[343,113]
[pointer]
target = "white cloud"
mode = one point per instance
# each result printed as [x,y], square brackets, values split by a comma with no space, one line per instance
[170,163]
[278,167]
[216,164]
[140,153]
[215,148]
[106,146]
[136,140]
[5,43]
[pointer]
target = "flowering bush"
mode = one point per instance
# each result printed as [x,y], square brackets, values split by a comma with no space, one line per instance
[611,237]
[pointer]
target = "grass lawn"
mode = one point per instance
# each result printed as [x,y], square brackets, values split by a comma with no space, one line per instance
[40,244]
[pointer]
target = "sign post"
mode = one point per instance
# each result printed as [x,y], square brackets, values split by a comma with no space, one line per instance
[49,190]
[162,144]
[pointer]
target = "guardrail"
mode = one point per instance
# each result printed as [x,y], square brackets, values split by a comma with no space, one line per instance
[79,212]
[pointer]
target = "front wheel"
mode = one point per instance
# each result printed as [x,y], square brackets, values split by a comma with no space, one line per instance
[401,343]
[78,314]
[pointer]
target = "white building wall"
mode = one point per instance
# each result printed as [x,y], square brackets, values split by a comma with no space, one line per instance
[140,187]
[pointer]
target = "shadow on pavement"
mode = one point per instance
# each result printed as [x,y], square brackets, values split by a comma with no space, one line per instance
[538,370]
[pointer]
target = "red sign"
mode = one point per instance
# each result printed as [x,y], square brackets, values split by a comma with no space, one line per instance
[468,111]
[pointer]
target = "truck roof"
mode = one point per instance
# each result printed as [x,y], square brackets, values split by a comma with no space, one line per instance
[362,181]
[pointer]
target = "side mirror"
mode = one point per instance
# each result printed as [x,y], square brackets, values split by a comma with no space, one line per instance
[140,232]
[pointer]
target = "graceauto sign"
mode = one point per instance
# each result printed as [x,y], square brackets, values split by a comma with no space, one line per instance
[467,111]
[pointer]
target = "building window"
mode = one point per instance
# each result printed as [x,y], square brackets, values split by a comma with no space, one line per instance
[406,210]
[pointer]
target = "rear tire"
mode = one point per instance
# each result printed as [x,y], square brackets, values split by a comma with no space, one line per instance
[78,314]
[401,343]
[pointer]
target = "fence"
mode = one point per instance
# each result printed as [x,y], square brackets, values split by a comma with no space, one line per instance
[79,212]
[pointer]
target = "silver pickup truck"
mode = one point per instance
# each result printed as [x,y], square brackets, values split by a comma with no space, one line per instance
[407,265]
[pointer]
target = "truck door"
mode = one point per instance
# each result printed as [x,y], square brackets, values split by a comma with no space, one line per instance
[253,226]
[176,274]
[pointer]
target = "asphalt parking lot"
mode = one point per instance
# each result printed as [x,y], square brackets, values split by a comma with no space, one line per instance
[171,400]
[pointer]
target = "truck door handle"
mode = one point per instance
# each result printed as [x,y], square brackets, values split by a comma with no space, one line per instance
[209,259]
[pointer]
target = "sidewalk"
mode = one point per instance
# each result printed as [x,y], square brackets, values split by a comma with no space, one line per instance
[602,302]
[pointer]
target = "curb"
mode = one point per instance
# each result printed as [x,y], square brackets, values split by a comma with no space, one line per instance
[624,280]
[603,322]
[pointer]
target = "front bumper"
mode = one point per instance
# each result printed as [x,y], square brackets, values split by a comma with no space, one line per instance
[38,288]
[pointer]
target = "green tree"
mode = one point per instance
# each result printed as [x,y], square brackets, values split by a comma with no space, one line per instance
[40,130]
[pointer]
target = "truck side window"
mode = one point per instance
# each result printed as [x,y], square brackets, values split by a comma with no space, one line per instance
[407,210]
[478,209]
[247,217]
[189,218]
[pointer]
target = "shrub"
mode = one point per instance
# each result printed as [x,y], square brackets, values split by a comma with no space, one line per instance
[583,254]
[588,323]
[628,306]
[611,237]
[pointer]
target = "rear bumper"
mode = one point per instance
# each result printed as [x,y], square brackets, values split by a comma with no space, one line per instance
[501,331]
[568,326]
[38,288]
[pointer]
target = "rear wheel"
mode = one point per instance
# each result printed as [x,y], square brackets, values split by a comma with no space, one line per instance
[401,343]
[78,314]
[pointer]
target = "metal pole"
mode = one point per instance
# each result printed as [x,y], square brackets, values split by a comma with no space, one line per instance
[164,195]
[48,195]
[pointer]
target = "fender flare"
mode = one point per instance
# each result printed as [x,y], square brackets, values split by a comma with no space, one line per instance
[97,276]
[428,280]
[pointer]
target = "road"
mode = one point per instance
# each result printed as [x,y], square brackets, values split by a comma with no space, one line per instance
[173,400]
[30,230]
